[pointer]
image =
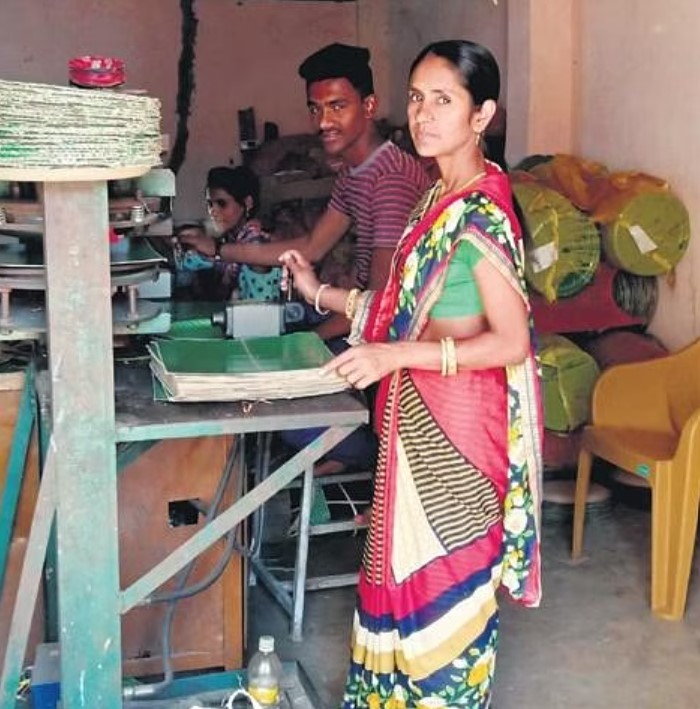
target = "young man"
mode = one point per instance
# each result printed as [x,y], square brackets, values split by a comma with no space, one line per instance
[376,188]
[375,191]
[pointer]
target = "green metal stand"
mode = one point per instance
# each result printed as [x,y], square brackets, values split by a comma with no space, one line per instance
[21,440]
[78,487]
[79,480]
[83,433]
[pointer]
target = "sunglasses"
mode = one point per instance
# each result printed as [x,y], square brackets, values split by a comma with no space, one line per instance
[220,203]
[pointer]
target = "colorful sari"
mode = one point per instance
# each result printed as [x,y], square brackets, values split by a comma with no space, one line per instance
[456,507]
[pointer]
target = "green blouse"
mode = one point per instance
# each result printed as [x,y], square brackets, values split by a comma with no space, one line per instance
[461,295]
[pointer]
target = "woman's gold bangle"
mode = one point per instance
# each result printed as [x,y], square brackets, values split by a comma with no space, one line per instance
[448,365]
[351,303]
[317,299]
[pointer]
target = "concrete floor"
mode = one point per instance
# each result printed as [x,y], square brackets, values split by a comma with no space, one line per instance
[592,645]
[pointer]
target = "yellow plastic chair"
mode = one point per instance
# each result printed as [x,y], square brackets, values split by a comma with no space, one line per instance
[646,420]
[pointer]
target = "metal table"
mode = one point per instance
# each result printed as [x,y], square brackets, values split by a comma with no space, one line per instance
[140,418]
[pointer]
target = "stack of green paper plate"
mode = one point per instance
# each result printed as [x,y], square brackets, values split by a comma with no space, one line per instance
[563,244]
[282,367]
[649,235]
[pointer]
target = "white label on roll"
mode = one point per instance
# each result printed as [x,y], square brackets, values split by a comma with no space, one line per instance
[543,257]
[644,242]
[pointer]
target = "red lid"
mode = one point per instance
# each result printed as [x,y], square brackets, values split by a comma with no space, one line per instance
[96,72]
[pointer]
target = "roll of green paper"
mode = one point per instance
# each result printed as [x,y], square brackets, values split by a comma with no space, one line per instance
[563,244]
[568,377]
[649,235]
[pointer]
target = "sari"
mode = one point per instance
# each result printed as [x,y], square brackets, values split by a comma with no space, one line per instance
[456,509]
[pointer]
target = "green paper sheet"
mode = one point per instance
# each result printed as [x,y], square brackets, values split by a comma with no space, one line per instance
[300,350]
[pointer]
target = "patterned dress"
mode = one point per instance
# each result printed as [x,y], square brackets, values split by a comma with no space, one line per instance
[456,507]
[226,277]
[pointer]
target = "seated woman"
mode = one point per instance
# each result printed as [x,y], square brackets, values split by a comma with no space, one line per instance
[233,199]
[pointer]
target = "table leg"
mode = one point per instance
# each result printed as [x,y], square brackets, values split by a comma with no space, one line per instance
[302,555]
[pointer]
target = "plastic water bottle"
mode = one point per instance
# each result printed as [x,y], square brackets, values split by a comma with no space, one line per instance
[265,674]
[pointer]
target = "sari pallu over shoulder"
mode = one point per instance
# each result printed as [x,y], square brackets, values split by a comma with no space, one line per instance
[400,313]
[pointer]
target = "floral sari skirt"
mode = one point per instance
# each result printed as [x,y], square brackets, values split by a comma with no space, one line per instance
[426,623]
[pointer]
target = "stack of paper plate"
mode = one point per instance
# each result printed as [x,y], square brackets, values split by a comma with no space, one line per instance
[284,367]
[53,126]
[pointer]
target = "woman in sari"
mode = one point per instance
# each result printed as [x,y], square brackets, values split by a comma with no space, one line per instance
[456,507]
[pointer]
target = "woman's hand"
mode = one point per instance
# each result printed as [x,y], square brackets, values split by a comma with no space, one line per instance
[365,364]
[302,273]
[196,238]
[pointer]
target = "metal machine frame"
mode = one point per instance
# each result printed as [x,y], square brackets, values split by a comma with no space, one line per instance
[78,488]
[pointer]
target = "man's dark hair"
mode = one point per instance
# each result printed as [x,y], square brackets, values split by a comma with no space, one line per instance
[340,61]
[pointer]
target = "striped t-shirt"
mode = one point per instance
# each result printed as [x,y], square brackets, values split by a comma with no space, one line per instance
[378,195]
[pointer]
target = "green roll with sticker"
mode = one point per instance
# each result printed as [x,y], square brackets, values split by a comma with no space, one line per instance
[562,245]
[649,235]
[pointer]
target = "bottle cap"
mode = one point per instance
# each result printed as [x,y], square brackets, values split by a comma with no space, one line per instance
[266,643]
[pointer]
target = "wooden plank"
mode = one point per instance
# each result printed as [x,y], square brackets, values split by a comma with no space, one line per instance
[232,516]
[16,464]
[207,629]
[9,406]
[11,381]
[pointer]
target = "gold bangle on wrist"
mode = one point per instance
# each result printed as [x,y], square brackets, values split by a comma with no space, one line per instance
[451,351]
[317,299]
[448,361]
[351,303]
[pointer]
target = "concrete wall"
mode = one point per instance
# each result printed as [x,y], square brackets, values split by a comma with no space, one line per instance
[247,54]
[415,23]
[542,40]
[639,108]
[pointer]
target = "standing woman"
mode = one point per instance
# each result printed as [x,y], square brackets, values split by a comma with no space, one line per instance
[456,507]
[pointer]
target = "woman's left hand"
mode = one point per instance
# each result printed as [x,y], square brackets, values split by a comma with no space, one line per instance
[365,364]
[197,239]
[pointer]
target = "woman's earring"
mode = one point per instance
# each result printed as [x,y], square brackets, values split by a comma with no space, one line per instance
[479,138]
